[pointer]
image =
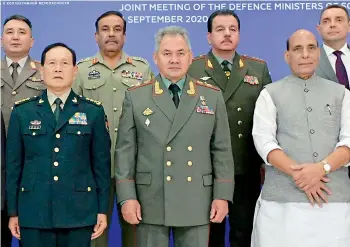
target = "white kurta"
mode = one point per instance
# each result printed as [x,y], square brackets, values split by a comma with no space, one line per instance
[297,224]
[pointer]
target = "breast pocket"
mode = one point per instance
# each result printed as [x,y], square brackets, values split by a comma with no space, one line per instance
[131,82]
[93,87]
[36,140]
[78,139]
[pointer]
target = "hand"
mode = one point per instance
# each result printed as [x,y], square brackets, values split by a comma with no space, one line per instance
[14,227]
[219,209]
[307,175]
[131,211]
[317,192]
[100,226]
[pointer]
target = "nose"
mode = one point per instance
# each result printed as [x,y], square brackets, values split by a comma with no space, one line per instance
[227,32]
[305,53]
[58,67]
[174,59]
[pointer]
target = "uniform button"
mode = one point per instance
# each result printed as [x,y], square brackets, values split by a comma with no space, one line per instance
[240,135]
[315,154]
[190,148]
[306,90]
[113,71]
[55,178]
[168,178]
[189,163]
[240,122]
[309,109]
[58,136]
[34,134]
[57,150]
[312,131]
[12,108]
[14,93]
[116,130]
[22,189]
[239,109]
[55,163]
[89,188]
[115,109]
[168,163]
[168,148]
[114,89]
[78,132]
[189,179]
[94,87]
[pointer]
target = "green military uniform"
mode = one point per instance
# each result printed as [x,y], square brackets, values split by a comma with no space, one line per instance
[98,81]
[28,84]
[57,171]
[175,162]
[247,77]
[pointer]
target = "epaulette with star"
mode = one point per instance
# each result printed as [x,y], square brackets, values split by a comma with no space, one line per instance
[92,101]
[25,100]
[85,60]
[199,57]
[139,59]
[141,85]
[207,85]
[34,64]
[253,58]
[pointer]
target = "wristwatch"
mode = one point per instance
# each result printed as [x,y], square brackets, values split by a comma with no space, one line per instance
[326,167]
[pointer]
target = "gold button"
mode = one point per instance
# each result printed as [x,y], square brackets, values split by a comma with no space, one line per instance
[189,163]
[168,178]
[239,109]
[93,87]
[168,163]
[189,179]
[55,178]
[22,188]
[189,148]
[114,89]
[89,188]
[58,136]
[57,150]
[55,163]
[116,129]
[240,135]
[78,132]
[115,109]
[34,133]
[14,93]
[239,122]
[168,148]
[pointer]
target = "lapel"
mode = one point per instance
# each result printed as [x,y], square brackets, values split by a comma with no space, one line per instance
[162,98]
[44,110]
[214,70]
[28,70]
[188,101]
[238,71]
[68,111]
[5,73]
[326,67]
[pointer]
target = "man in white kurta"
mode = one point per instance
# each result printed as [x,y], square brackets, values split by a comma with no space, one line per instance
[302,131]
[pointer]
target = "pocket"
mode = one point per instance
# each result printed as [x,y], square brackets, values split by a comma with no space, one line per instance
[81,186]
[78,130]
[94,84]
[35,132]
[144,178]
[36,86]
[26,186]
[130,82]
[208,180]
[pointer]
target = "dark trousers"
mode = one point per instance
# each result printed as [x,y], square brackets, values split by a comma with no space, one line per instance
[241,213]
[6,236]
[57,237]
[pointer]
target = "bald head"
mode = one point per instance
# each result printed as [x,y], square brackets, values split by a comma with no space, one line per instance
[302,53]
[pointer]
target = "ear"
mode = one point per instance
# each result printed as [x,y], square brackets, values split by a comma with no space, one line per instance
[191,57]
[155,58]
[96,37]
[318,29]
[209,38]
[75,72]
[286,56]
[31,42]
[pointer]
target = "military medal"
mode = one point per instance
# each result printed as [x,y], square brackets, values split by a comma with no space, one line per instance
[147,112]
[35,125]
[78,118]
[202,100]
[147,122]
[252,80]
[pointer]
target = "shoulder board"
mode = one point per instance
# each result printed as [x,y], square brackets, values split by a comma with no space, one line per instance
[141,85]
[139,59]
[207,85]
[253,58]
[22,101]
[34,64]
[199,57]
[85,60]
[94,102]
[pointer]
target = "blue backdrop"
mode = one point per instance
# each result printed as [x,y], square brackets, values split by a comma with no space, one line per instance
[265,26]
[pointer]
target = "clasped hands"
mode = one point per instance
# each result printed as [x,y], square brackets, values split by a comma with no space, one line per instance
[311,178]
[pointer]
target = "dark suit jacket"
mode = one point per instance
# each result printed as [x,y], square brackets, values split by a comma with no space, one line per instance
[3,164]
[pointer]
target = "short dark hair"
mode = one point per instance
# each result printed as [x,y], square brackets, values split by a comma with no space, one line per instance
[54,45]
[108,13]
[222,12]
[288,45]
[335,6]
[18,18]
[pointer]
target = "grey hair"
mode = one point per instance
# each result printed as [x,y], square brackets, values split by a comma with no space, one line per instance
[171,30]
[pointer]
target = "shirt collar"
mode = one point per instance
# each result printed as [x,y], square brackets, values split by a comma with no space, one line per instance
[180,83]
[220,60]
[51,97]
[21,62]
[329,51]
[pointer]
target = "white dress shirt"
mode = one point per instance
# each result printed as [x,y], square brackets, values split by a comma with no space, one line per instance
[21,63]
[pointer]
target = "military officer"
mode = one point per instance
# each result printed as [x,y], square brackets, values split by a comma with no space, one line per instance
[20,76]
[174,165]
[105,77]
[240,78]
[58,162]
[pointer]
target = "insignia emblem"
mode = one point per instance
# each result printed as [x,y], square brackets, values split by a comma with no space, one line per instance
[132,75]
[32,65]
[74,100]
[209,64]
[78,118]
[94,74]
[34,79]
[191,91]
[129,60]
[241,64]
[147,112]
[94,101]
[252,80]
[157,89]
[202,100]
[204,110]
[41,101]
[35,125]
[147,122]
[94,61]
[205,78]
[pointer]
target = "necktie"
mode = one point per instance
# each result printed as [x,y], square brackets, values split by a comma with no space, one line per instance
[58,109]
[340,70]
[174,88]
[226,68]
[14,65]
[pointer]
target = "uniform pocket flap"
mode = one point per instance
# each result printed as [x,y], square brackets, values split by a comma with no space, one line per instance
[26,186]
[78,130]
[36,130]
[130,82]
[36,85]
[93,84]
[83,187]
[208,180]
[143,178]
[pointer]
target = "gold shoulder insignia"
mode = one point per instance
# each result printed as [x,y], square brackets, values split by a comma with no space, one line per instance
[140,85]
[207,85]
[139,59]
[199,57]
[95,102]
[35,64]
[253,58]
[85,60]
[19,102]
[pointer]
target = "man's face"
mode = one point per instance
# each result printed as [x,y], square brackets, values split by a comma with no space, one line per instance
[303,55]
[173,57]
[16,39]
[334,25]
[225,34]
[110,36]
[58,70]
